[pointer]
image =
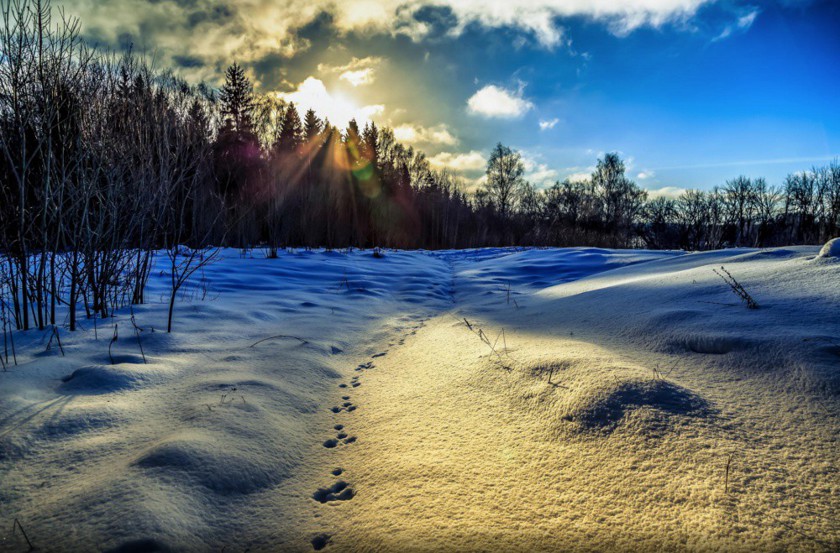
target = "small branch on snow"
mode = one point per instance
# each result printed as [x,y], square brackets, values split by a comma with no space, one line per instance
[301,340]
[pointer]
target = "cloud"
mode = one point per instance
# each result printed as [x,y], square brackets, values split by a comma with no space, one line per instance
[418,134]
[358,78]
[358,72]
[494,101]
[672,192]
[313,94]
[538,173]
[459,162]
[644,175]
[550,124]
[220,31]
[743,23]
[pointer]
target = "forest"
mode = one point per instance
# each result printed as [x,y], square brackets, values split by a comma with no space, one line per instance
[106,162]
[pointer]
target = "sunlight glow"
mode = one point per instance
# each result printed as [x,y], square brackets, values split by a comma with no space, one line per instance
[313,94]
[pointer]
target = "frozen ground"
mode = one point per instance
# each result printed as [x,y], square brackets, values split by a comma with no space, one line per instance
[483,400]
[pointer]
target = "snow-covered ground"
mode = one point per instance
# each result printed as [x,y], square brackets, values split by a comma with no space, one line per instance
[480,400]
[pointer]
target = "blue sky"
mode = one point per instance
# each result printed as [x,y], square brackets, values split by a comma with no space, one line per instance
[691,92]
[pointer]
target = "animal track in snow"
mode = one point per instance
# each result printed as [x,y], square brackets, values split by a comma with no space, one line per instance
[380,354]
[331,443]
[340,491]
[320,541]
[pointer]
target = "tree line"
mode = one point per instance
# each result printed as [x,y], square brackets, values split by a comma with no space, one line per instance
[106,161]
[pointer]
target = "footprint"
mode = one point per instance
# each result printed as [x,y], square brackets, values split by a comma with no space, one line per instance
[345,397]
[347,404]
[320,541]
[339,427]
[335,409]
[337,471]
[342,385]
[350,440]
[356,384]
[340,491]
[341,436]
[351,408]
[331,443]
[379,354]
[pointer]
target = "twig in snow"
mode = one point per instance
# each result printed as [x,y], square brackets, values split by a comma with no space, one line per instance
[111,343]
[301,340]
[137,330]
[726,475]
[17,524]
[737,288]
[57,340]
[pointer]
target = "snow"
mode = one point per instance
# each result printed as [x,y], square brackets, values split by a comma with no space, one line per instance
[831,249]
[492,399]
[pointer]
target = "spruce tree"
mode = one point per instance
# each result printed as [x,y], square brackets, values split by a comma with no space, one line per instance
[370,143]
[291,132]
[352,134]
[237,99]
[311,125]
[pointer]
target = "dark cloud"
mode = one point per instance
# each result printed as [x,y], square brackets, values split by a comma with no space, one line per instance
[188,62]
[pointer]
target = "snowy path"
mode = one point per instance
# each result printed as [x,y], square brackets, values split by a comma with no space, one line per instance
[476,401]
[456,447]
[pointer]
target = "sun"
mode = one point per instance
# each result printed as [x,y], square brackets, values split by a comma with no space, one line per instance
[337,107]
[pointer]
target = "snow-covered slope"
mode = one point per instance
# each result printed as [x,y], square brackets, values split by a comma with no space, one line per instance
[574,399]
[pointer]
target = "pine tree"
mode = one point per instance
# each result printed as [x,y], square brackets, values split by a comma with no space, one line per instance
[311,125]
[237,99]
[352,134]
[291,132]
[370,143]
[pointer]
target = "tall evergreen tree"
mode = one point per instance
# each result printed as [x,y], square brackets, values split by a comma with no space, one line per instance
[291,132]
[352,135]
[237,100]
[370,144]
[311,125]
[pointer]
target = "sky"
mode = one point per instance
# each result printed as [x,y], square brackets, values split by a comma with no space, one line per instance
[689,92]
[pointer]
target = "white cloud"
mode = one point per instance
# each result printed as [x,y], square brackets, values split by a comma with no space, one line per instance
[219,31]
[644,175]
[494,101]
[357,72]
[459,162]
[746,21]
[418,134]
[536,172]
[580,176]
[742,24]
[313,94]
[549,124]
[542,176]
[672,192]
[359,77]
